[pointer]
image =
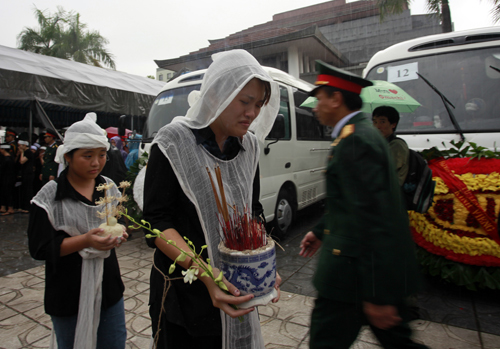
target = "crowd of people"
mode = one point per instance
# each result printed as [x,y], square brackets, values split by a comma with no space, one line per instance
[26,167]
[367,267]
[21,166]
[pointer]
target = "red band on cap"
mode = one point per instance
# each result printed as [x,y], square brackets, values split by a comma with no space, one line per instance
[333,81]
[50,135]
[10,133]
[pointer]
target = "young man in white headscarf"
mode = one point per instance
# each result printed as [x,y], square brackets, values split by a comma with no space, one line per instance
[83,286]
[236,95]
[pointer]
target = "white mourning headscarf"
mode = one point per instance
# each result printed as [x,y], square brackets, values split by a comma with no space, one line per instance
[223,80]
[85,134]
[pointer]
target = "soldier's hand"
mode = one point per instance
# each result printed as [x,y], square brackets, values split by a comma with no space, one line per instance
[381,316]
[309,245]
[51,178]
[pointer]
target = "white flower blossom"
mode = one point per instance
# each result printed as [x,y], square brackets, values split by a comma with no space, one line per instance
[190,275]
[124,184]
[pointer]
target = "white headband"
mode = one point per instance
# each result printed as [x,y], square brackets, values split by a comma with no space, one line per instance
[85,134]
[23,142]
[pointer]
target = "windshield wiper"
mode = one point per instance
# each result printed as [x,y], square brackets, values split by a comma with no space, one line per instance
[446,103]
[492,67]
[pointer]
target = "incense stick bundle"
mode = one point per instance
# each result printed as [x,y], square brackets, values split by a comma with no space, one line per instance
[218,174]
[240,230]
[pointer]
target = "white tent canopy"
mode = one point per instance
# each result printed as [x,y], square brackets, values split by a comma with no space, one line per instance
[25,76]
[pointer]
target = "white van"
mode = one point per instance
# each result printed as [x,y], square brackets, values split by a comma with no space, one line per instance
[293,156]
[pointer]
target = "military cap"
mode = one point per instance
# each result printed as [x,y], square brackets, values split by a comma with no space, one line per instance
[329,75]
[10,132]
[51,133]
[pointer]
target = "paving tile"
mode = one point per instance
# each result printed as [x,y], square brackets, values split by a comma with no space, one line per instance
[292,308]
[451,309]
[490,341]
[29,299]
[16,281]
[19,331]
[487,309]
[278,333]
[34,334]
[6,312]
[38,314]
[366,336]
[41,343]
[442,336]
[23,322]
[137,324]
[139,342]
[9,295]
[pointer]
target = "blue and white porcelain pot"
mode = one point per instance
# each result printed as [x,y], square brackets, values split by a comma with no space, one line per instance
[251,271]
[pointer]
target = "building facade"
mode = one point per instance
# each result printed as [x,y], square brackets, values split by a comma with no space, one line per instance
[343,34]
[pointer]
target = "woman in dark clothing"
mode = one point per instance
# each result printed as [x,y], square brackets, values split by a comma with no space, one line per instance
[84,290]
[178,200]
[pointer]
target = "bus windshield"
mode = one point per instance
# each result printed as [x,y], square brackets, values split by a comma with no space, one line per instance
[465,78]
[167,105]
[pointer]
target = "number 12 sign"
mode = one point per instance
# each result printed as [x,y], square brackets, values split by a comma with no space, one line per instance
[402,72]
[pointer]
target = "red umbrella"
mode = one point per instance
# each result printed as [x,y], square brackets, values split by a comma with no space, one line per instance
[113,132]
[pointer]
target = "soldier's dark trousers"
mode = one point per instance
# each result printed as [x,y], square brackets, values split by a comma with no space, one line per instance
[337,324]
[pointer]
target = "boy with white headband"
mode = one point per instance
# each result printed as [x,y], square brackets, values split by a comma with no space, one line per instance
[83,286]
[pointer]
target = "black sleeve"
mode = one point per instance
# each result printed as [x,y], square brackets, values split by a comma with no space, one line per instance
[44,241]
[161,192]
[257,209]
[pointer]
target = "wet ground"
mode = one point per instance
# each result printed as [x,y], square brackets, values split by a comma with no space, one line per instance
[449,316]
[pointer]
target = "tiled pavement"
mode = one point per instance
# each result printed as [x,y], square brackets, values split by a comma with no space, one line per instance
[24,324]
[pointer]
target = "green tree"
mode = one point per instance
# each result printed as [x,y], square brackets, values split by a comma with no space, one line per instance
[63,35]
[496,10]
[439,7]
[85,46]
[47,39]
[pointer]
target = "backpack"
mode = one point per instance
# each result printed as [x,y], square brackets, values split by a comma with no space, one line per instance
[418,187]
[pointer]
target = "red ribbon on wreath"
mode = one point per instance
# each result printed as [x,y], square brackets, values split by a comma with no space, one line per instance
[465,196]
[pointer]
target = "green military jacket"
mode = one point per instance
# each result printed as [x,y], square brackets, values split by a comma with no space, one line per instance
[50,166]
[367,252]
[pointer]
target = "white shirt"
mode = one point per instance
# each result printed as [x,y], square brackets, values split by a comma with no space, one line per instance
[342,122]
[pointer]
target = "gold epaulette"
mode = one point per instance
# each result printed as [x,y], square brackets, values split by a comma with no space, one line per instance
[346,131]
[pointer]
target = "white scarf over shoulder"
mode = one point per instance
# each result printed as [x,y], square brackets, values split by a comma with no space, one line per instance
[224,79]
[76,218]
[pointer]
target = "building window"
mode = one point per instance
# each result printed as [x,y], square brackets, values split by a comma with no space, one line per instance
[160,77]
[169,75]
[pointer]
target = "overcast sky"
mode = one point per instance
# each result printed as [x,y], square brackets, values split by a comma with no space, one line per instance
[144,30]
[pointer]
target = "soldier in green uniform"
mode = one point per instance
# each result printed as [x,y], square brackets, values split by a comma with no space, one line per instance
[49,168]
[367,265]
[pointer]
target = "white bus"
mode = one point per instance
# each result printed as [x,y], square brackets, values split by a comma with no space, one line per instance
[293,156]
[464,67]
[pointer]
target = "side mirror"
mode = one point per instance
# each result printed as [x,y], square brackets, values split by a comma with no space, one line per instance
[277,132]
[121,125]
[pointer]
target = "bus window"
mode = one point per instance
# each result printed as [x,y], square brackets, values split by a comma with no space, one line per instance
[285,111]
[167,105]
[308,127]
[465,78]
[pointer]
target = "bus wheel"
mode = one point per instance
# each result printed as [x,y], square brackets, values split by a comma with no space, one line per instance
[283,214]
